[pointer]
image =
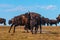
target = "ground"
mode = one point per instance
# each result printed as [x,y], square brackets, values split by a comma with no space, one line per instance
[48,33]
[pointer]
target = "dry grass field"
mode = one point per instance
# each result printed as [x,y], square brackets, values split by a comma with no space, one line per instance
[48,33]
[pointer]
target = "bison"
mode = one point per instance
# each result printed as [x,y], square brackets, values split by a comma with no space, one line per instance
[58,18]
[16,21]
[33,23]
[24,19]
[51,22]
[2,20]
[45,21]
[36,17]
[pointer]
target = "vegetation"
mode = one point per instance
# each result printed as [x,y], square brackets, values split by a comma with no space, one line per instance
[48,33]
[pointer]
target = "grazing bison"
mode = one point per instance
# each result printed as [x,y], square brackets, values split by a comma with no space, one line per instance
[51,22]
[2,20]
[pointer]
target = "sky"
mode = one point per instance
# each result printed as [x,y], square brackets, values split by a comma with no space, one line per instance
[11,8]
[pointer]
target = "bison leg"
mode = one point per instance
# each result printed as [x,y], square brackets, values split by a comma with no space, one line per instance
[50,24]
[4,23]
[32,30]
[36,29]
[10,28]
[26,28]
[56,24]
[14,28]
[40,28]
[47,24]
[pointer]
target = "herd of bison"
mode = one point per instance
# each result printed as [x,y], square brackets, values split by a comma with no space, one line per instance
[30,20]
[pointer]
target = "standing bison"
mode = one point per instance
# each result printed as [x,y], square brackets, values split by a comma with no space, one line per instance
[34,21]
[19,20]
[45,21]
[58,18]
[16,21]
[51,22]
[25,19]
[2,21]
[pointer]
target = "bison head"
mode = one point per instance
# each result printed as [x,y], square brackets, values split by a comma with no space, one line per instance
[10,22]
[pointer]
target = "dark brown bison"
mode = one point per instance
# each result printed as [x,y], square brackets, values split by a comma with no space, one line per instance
[18,20]
[45,21]
[2,20]
[36,17]
[51,22]
[24,19]
[58,18]
[33,23]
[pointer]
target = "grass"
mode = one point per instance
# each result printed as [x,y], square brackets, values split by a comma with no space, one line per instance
[48,33]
